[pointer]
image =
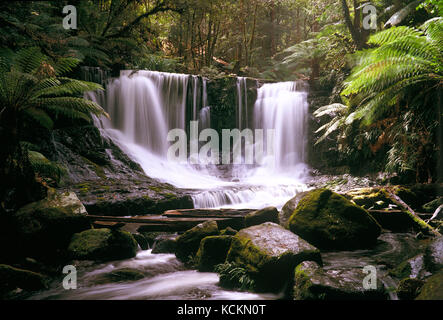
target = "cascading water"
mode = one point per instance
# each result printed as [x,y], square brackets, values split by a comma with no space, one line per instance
[145,105]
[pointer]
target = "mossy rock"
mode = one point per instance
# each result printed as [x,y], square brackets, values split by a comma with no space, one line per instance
[288,209]
[188,243]
[141,240]
[433,205]
[228,232]
[12,278]
[102,245]
[165,243]
[433,288]
[311,282]
[120,275]
[212,251]
[48,225]
[411,268]
[269,253]
[409,288]
[330,221]
[269,214]
[369,198]
[44,167]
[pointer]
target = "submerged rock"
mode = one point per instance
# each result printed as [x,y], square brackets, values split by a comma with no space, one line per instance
[102,245]
[13,278]
[311,282]
[433,288]
[269,253]
[188,243]
[213,251]
[48,225]
[330,221]
[269,214]
[120,275]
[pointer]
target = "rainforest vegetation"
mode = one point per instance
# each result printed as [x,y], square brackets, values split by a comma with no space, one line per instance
[371,74]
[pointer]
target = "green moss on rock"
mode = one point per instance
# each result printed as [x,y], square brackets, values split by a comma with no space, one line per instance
[409,288]
[212,251]
[330,221]
[103,245]
[270,253]
[269,214]
[433,288]
[188,243]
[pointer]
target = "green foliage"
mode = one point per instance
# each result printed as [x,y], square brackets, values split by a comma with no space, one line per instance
[234,276]
[393,97]
[45,168]
[32,88]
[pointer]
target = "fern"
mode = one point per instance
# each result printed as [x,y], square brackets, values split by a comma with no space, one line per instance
[234,276]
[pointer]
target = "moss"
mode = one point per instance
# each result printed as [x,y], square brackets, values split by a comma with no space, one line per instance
[403,270]
[433,288]
[45,168]
[409,289]
[102,244]
[330,221]
[12,278]
[189,242]
[212,251]
[99,171]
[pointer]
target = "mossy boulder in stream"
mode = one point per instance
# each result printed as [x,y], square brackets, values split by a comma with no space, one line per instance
[12,278]
[213,251]
[188,243]
[433,288]
[311,282]
[269,214]
[288,209]
[102,245]
[269,254]
[409,288]
[48,225]
[330,221]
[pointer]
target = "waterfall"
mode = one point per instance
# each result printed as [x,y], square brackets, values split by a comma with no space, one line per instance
[145,105]
[284,108]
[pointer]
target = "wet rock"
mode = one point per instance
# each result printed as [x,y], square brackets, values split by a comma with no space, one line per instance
[433,288]
[102,245]
[330,221]
[311,282]
[288,209]
[412,268]
[228,232]
[270,253]
[120,275]
[141,240]
[213,251]
[434,255]
[188,243]
[46,226]
[165,244]
[409,288]
[12,278]
[269,214]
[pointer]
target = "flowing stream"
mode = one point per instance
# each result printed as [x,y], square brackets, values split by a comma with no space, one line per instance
[143,107]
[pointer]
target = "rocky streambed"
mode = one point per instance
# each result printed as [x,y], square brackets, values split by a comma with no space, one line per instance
[320,246]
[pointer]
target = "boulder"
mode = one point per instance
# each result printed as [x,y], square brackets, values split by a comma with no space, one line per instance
[188,243]
[141,240]
[213,251]
[311,282]
[269,214]
[412,268]
[409,288]
[48,225]
[166,243]
[12,278]
[434,255]
[433,288]
[269,253]
[228,232]
[102,245]
[329,221]
[288,209]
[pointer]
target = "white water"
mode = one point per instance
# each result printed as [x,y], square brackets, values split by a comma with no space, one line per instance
[145,105]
